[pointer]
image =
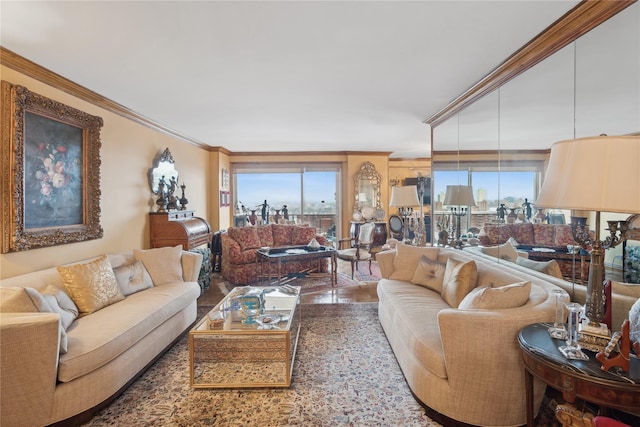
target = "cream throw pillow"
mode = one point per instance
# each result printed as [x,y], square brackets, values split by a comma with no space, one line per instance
[429,274]
[552,268]
[459,278]
[92,285]
[487,298]
[163,264]
[407,258]
[132,278]
[505,251]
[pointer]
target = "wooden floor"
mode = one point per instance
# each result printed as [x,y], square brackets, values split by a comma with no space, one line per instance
[351,294]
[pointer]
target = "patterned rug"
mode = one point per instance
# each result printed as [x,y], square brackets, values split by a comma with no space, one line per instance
[345,374]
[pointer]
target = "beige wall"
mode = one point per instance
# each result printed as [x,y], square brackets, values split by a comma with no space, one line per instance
[128,151]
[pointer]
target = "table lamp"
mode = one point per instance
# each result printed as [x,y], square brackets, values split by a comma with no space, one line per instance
[404,198]
[459,198]
[594,174]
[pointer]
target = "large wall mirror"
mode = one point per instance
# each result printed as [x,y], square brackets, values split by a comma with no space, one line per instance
[367,183]
[589,87]
[163,167]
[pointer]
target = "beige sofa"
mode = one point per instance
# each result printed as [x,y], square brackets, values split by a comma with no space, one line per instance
[105,350]
[462,362]
[623,295]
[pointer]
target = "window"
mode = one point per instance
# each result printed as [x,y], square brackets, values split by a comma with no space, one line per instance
[309,193]
[492,186]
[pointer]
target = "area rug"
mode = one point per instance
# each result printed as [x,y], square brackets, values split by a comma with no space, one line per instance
[345,374]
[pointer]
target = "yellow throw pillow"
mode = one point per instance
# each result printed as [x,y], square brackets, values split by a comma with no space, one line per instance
[460,278]
[92,285]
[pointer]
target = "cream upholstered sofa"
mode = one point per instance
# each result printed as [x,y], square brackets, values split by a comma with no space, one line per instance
[623,295]
[44,383]
[457,346]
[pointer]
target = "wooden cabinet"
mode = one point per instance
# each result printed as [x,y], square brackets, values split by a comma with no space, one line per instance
[379,233]
[178,228]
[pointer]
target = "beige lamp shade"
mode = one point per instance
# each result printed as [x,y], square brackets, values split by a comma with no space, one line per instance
[459,195]
[593,174]
[405,196]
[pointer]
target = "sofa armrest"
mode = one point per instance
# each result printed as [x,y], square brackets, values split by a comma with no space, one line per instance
[28,367]
[487,338]
[385,262]
[191,265]
[231,250]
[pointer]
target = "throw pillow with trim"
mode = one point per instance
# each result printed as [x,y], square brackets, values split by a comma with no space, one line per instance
[163,264]
[48,304]
[488,298]
[132,278]
[62,302]
[407,258]
[460,278]
[92,285]
[429,274]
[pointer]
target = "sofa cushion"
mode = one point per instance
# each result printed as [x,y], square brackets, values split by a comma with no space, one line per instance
[406,260]
[247,237]
[504,251]
[488,298]
[97,339]
[92,285]
[459,278]
[132,278]
[429,273]
[302,235]
[543,234]
[49,304]
[265,234]
[16,300]
[413,312]
[163,264]
[547,267]
[281,234]
[563,235]
[523,233]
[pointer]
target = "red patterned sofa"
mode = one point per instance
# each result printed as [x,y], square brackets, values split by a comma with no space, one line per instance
[529,236]
[239,246]
[553,236]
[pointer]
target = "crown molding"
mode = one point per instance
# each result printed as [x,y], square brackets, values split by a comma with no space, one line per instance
[22,65]
[585,16]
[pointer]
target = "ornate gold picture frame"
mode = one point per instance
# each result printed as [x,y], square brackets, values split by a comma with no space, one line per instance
[50,174]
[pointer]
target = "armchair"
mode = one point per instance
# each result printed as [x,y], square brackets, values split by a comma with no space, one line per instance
[359,247]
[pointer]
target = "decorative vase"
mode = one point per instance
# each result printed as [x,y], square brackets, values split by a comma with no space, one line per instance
[253,217]
[511,218]
[276,217]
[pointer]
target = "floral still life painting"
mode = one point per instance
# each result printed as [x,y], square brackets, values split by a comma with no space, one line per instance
[53,173]
[51,184]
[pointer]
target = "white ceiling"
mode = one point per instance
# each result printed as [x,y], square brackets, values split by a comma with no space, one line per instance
[279,76]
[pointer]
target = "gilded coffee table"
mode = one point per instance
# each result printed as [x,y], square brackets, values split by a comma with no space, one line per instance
[236,345]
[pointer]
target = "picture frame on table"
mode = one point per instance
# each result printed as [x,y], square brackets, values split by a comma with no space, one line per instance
[51,180]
